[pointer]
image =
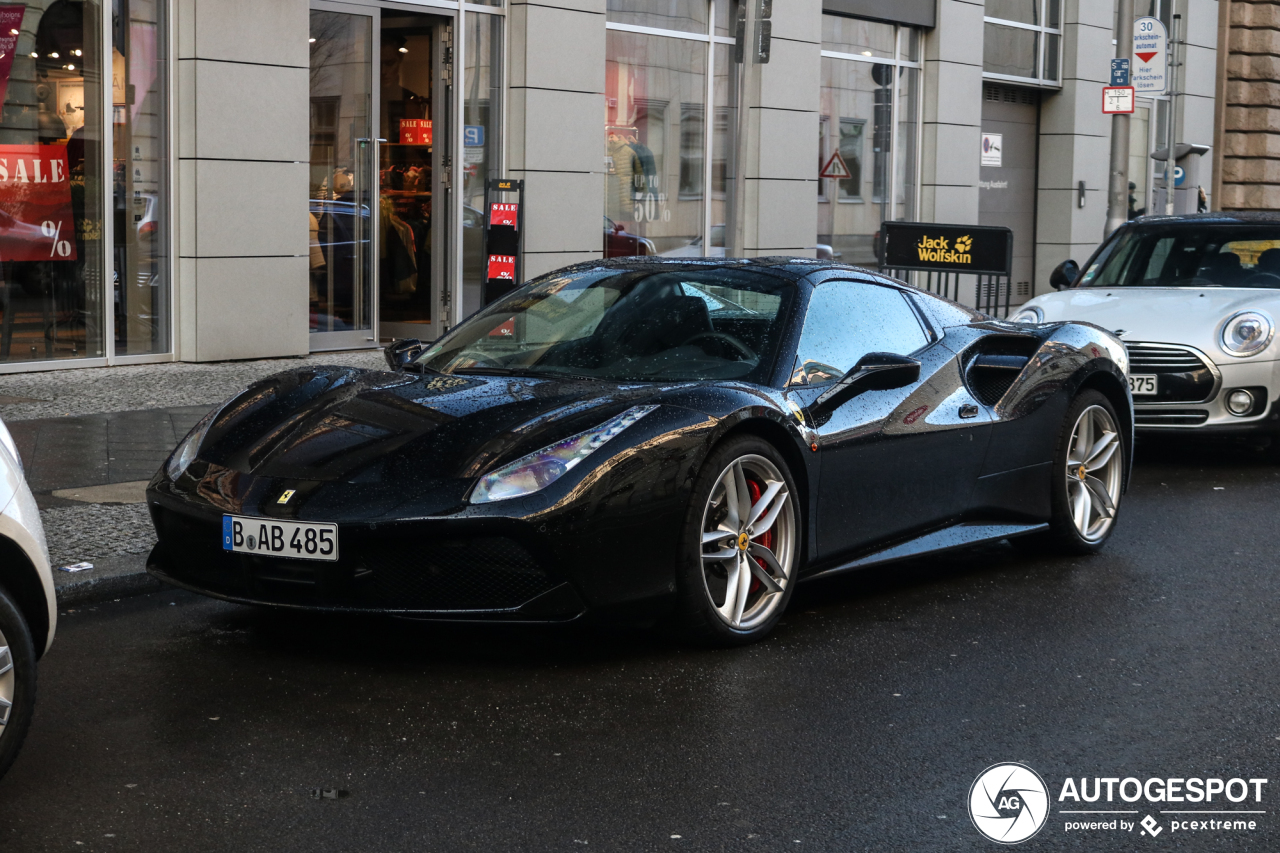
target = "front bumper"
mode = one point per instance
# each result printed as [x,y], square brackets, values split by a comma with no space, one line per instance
[427,568]
[1212,416]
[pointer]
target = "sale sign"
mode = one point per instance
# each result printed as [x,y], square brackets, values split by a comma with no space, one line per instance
[36,220]
[504,214]
[502,267]
[10,26]
[415,131]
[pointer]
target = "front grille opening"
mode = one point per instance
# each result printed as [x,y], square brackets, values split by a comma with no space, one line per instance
[1171,417]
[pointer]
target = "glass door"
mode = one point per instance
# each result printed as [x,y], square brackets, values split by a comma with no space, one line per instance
[414,92]
[343,182]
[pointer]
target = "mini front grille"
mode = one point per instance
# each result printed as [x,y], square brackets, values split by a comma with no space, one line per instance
[1162,358]
[1170,417]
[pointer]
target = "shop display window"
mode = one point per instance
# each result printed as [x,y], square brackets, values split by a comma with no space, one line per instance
[867,135]
[51,181]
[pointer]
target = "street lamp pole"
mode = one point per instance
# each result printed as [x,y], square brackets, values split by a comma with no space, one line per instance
[1118,185]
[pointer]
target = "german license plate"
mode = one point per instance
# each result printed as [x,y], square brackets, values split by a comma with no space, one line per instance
[299,540]
[1140,384]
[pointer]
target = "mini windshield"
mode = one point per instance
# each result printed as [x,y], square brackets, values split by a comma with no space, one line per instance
[1189,256]
[627,325]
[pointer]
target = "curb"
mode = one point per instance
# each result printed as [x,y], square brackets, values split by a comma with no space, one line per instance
[111,577]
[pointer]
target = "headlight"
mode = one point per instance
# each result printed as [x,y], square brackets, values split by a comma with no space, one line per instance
[185,453]
[538,470]
[1247,333]
[1030,314]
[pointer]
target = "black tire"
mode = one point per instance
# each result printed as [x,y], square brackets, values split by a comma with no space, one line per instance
[22,655]
[697,617]
[1063,537]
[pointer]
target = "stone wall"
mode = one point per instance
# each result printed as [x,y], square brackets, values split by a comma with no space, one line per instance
[1249,120]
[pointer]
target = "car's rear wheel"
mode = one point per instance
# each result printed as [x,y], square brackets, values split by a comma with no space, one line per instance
[741,545]
[1087,478]
[17,680]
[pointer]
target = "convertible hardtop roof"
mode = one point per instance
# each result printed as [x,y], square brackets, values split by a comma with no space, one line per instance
[1210,219]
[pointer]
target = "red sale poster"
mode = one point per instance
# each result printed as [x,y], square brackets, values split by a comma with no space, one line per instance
[10,26]
[503,267]
[36,222]
[503,214]
[415,131]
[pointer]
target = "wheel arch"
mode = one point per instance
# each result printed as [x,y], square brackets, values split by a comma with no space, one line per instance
[19,578]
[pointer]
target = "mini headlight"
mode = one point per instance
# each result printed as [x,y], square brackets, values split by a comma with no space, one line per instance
[1029,314]
[185,453]
[1247,333]
[540,469]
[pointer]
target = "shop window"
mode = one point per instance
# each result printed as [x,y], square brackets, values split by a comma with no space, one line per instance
[52,182]
[868,116]
[688,16]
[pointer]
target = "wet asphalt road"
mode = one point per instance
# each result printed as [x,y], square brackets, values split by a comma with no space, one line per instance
[173,723]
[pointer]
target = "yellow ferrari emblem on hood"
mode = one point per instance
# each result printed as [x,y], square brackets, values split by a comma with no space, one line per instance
[285,495]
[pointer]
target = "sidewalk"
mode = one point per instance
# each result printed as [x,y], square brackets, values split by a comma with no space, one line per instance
[91,439]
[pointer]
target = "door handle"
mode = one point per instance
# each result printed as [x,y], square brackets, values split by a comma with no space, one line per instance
[968,410]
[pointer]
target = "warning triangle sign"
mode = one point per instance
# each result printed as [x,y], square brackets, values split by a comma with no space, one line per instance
[1146,55]
[835,168]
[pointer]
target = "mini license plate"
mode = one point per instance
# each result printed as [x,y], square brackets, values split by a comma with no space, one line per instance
[299,540]
[1140,384]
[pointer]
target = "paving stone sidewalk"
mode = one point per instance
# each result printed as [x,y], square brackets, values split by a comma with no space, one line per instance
[90,439]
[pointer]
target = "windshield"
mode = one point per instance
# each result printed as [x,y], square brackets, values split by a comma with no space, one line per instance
[626,325]
[1188,256]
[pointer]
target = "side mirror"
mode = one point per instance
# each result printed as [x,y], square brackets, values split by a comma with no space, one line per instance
[876,371]
[1064,274]
[400,353]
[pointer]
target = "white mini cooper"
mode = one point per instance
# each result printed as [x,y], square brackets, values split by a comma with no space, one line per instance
[1195,300]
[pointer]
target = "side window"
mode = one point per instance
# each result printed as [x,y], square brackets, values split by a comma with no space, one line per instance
[848,319]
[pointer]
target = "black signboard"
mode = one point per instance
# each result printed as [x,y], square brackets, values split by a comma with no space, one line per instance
[503,239]
[928,246]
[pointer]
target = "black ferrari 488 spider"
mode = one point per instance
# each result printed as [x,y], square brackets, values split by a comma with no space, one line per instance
[651,440]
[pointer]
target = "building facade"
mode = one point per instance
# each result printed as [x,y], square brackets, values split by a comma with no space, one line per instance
[157,156]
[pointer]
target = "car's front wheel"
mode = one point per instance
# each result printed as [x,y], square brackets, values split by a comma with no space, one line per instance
[1088,476]
[742,544]
[17,680]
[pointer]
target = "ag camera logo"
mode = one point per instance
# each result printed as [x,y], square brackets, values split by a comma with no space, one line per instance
[1008,803]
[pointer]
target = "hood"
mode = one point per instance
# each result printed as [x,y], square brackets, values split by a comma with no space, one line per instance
[340,423]
[1178,315]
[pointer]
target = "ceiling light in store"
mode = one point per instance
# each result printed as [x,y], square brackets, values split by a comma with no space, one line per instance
[73,68]
[15,32]
[313,41]
[78,52]
[54,55]
[406,50]
[35,55]
[868,53]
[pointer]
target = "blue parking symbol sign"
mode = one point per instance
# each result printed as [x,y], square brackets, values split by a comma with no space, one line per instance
[1120,72]
[473,135]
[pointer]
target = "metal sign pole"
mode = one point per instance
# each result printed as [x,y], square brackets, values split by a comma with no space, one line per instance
[1118,183]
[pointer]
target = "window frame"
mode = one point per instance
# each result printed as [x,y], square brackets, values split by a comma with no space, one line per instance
[715,44]
[901,45]
[1044,32]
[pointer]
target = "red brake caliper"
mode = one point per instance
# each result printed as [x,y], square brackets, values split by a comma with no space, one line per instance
[765,539]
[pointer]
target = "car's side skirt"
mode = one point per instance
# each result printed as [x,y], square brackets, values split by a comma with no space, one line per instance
[956,536]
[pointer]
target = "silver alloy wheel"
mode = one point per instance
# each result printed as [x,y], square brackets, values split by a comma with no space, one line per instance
[1094,472]
[6,682]
[748,542]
